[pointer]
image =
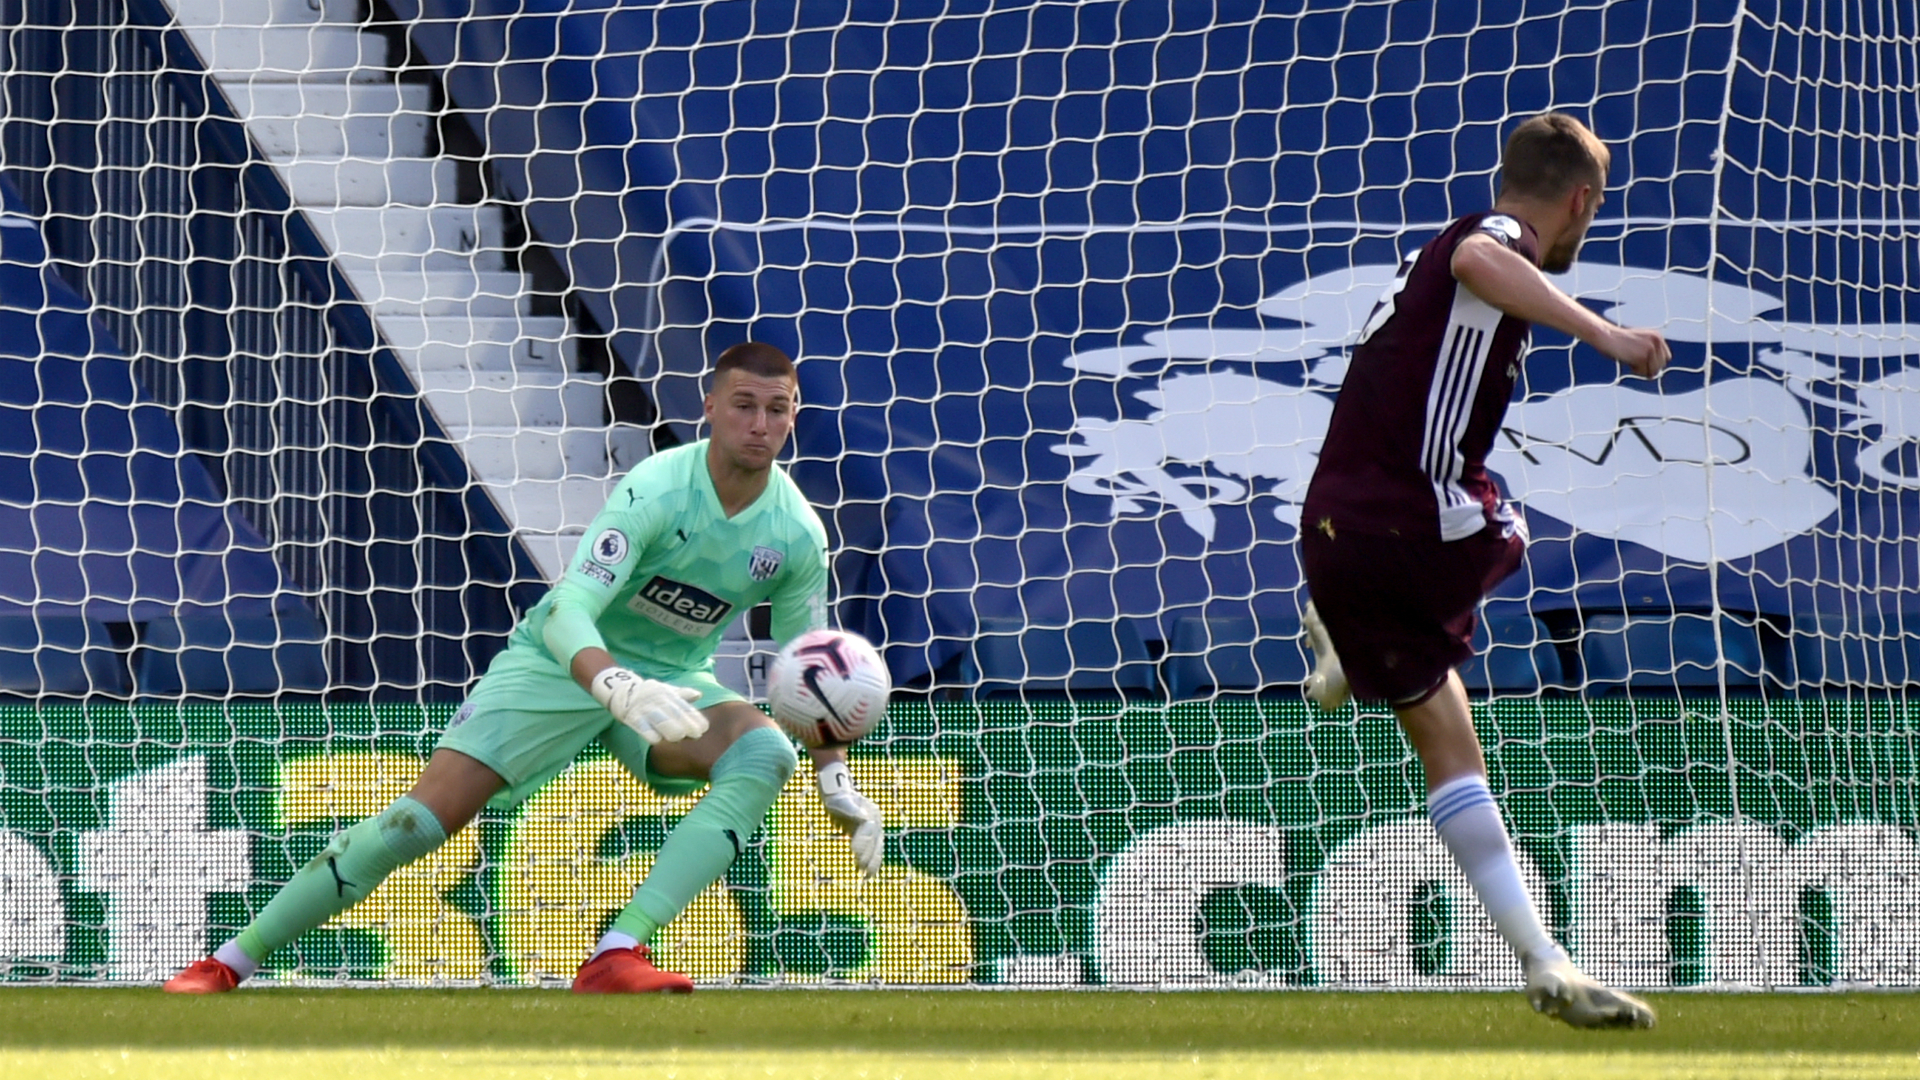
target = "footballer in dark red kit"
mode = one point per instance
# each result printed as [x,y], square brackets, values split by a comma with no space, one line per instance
[1404,532]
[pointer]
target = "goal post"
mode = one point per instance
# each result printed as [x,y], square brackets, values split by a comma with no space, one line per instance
[1072,289]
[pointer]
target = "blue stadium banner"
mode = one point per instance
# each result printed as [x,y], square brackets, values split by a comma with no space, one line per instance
[1080,370]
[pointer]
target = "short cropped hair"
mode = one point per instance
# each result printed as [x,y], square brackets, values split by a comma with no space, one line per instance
[754,358]
[1551,154]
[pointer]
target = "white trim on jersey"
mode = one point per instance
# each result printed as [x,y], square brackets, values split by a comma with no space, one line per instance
[1471,323]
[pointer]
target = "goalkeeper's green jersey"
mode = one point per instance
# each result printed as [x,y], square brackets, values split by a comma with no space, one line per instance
[663,569]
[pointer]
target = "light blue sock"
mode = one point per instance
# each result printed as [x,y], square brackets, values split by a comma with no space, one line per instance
[1464,814]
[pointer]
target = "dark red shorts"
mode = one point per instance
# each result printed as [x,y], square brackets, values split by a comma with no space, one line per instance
[1401,611]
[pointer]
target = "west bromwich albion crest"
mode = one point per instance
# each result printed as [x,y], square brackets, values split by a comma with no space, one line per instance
[765,564]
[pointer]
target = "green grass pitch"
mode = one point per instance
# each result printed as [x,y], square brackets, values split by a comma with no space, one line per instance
[291,1034]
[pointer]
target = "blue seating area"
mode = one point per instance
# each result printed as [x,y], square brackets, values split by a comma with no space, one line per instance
[1687,651]
[68,655]
[215,655]
[59,654]
[1513,654]
[1011,659]
[1819,652]
[1233,655]
[1829,650]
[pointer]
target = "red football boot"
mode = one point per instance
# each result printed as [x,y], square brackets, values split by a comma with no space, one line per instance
[628,971]
[207,976]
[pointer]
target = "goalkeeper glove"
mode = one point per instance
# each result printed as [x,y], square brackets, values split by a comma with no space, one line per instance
[656,711]
[854,814]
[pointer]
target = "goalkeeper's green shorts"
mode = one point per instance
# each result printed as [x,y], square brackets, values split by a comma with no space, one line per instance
[526,719]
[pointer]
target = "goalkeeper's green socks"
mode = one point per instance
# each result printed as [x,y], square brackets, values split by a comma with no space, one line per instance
[352,865]
[746,781]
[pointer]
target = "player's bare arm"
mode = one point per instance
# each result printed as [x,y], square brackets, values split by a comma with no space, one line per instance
[1509,282]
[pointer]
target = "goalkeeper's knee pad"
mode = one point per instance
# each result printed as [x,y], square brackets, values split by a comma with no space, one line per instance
[361,856]
[763,754]
[409,829]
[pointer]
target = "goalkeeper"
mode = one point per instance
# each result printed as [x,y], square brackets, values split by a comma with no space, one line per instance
[1404,532]
[621,650]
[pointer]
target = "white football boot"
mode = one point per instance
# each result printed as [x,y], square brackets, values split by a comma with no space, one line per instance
[1327,686]
[1559,989]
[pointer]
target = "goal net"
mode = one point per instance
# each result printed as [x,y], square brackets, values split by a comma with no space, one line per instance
[329,325]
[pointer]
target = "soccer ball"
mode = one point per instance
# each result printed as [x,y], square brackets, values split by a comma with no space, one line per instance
[828,687]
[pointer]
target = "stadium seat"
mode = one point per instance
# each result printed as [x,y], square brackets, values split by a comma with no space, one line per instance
[1010,658]
[213,656]
[1667,651]
[1862,649]
[1907,643]
[1513,653]
[1228,654]
[1894,652]
[64,654]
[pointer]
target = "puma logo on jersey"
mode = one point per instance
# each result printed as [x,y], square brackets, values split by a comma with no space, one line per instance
[340,884]
[680,607]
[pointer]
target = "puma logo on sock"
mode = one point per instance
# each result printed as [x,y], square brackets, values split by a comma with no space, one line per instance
[340,884]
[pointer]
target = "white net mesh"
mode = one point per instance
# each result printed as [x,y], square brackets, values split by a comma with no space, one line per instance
[333,324]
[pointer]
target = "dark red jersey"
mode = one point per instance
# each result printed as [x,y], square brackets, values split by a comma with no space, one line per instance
[1424,395]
